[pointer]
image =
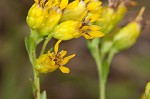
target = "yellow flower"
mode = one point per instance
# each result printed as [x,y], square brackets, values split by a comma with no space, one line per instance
[91,31]
[41,12]
[51,21]
[66,30]
[53,60]
[37,14]
[73,11]
[72,29]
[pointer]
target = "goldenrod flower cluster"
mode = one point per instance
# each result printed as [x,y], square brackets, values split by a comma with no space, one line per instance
[65,20]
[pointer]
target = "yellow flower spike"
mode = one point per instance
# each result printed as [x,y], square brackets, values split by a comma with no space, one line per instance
[66,59]
[63,4]
[57,46]
[64,69]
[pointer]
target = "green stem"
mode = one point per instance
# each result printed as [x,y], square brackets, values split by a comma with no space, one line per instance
[46,42]
[111,55]
[34,40]
[37,84]
[102,81]
[36,81]
[102,88]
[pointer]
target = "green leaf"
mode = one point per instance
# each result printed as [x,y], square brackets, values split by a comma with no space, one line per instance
[43,95]
[27,44]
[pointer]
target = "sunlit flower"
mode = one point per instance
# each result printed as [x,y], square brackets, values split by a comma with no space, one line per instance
[53,60]
[42,12]
[74,10]
[73,29]
[37,14]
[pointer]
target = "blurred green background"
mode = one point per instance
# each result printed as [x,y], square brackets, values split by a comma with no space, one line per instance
[130,70]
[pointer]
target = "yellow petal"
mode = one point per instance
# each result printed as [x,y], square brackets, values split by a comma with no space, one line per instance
[48,3]
[87,36]
[63,4]
[94,27]
[63,53]
[86,1]
[50,54]
[84,28]
[66,59]
[72,4]
[96,34]
[42,2]
[93,34]
[36,1]
[64,69]
[94,17]
[56,46]
[93,5]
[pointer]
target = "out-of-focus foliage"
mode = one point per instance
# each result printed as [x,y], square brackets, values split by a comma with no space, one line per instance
[129,72]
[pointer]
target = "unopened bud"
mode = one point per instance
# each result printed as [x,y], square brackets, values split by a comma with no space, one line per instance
[128,35]
[50,23]
[66,30]
[111,17]
[73,11]
[36,16]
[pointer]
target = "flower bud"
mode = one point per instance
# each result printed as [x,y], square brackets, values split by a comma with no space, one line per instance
[111,17]
[36,16]
[66,30]
[128,35]
[73,11]
[50,23]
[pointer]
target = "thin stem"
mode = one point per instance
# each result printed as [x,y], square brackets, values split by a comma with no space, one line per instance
[102,81]
[45,43]
[111,55]
[102,88]
[36,82]
[32,56]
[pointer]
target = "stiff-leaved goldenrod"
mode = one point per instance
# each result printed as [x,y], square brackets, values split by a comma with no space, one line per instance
[52,60]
